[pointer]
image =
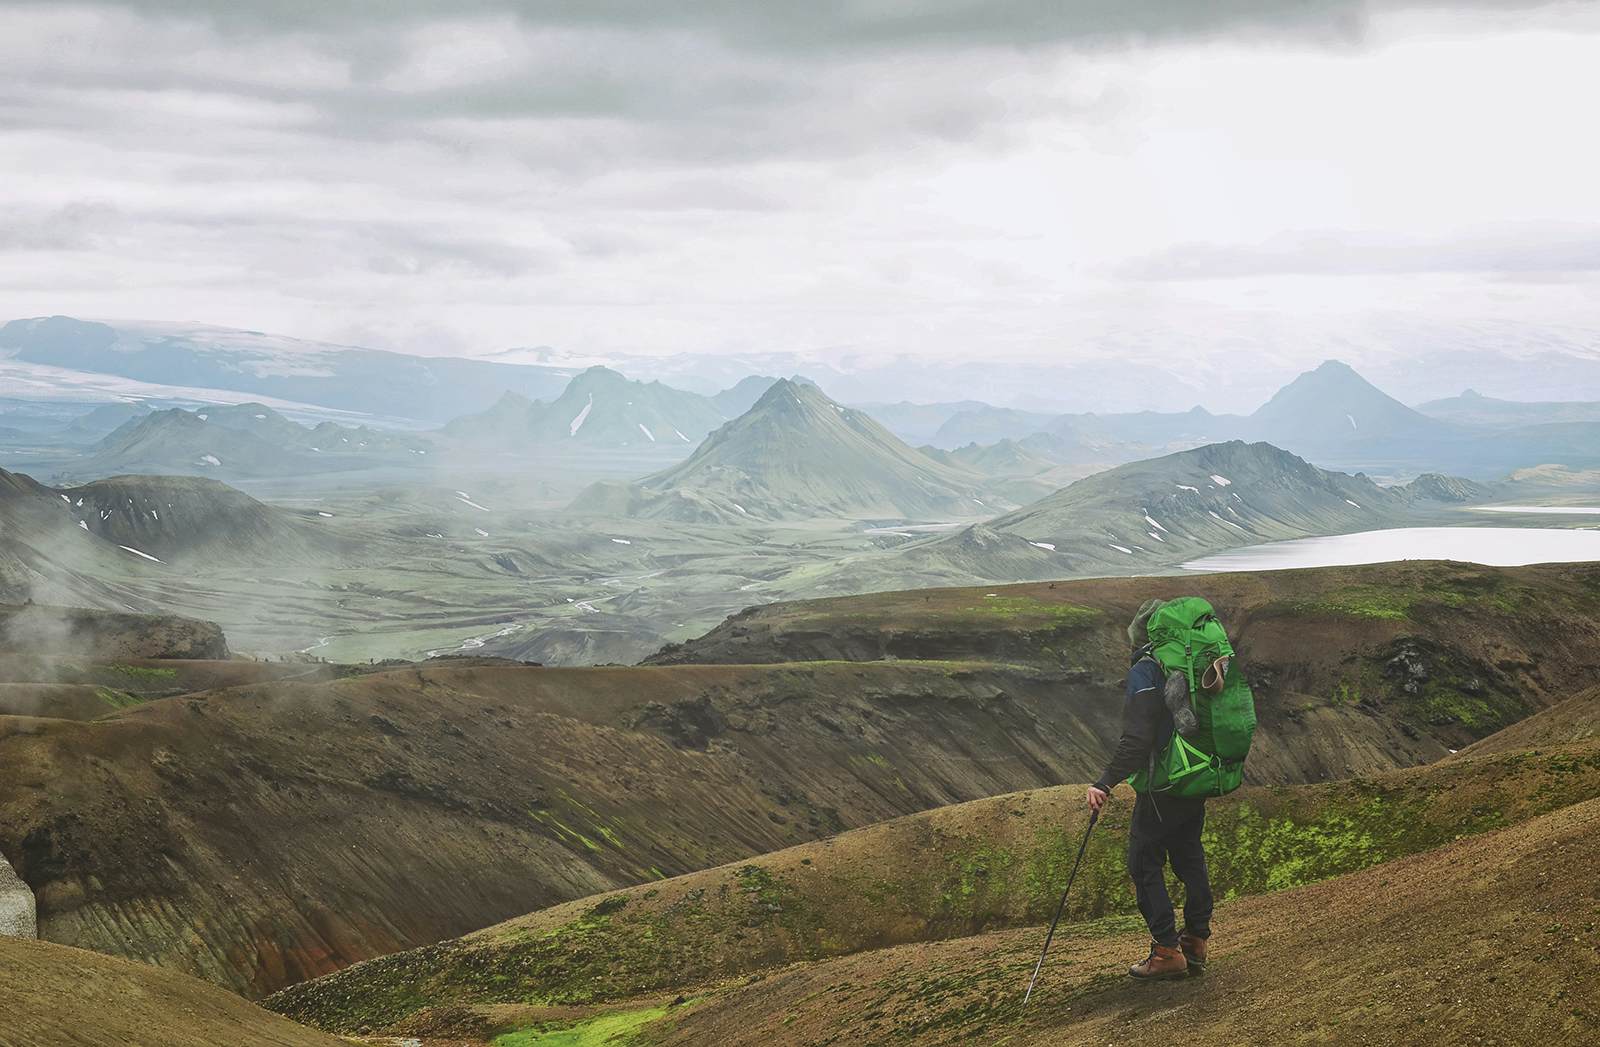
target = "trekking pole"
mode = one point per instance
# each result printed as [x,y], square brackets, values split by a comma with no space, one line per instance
[1094,816]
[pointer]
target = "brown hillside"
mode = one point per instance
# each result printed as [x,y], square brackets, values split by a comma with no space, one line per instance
[281,829]
[90,635]
[68,689]
[270,832]
[942,874]
[265,833]
[1456,650]
[1490,940]
[1575,720]
[54,996]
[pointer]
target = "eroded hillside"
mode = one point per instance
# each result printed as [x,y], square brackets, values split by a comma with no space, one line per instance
[945,874]
[282,824]
[1453,651]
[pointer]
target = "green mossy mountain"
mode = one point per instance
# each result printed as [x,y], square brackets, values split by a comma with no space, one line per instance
[795,455]
[186,519]
[238,440]
[1149,516]
[179,441]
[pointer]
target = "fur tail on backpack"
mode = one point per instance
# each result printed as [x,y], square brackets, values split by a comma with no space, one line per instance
[1176,695]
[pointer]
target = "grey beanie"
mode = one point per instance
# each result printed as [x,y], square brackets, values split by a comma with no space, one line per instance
[1137,634]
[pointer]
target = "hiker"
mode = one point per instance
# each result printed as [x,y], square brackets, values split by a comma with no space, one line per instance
[1164,828]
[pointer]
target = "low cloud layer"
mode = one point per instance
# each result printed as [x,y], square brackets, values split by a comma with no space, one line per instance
[880,176]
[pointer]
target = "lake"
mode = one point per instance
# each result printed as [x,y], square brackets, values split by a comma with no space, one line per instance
[1492,546]
[1540,510]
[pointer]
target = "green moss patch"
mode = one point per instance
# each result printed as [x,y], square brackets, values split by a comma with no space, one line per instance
[610,1030]
[1027,610]
[145,673]
[118,699]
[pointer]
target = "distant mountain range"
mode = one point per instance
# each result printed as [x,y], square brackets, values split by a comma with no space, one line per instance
[1330,415]
[244,440]
[1151,515]
[796,454]
[1473,408]
[1020,471]
[599,408]
[1227,360]
[370,381]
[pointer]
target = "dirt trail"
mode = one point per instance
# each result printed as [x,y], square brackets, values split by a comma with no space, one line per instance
[1488,941]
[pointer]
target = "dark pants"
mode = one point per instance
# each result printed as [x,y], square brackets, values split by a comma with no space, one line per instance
[1163,830]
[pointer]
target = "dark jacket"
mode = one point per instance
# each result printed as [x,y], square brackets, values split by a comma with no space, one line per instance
[1146,723]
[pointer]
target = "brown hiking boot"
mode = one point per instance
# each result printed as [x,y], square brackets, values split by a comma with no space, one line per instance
[1194,950]
[1164,961]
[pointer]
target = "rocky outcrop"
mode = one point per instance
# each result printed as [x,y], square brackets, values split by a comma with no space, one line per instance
[17,913]
[102,636]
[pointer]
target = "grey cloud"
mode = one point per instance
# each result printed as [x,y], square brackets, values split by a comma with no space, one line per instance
[849,24]
[604,83]
[596,99]
[302,150]
[280,242]
[74,227]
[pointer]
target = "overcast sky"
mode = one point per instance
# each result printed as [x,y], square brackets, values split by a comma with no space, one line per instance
[1013,177]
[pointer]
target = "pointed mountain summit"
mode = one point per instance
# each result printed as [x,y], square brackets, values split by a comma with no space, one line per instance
[598,408]
[1334,406]
[795,455]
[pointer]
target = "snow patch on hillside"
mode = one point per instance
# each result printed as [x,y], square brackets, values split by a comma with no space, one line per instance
[583,416]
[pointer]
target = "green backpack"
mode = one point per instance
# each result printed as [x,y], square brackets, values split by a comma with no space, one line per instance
[1186,638]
